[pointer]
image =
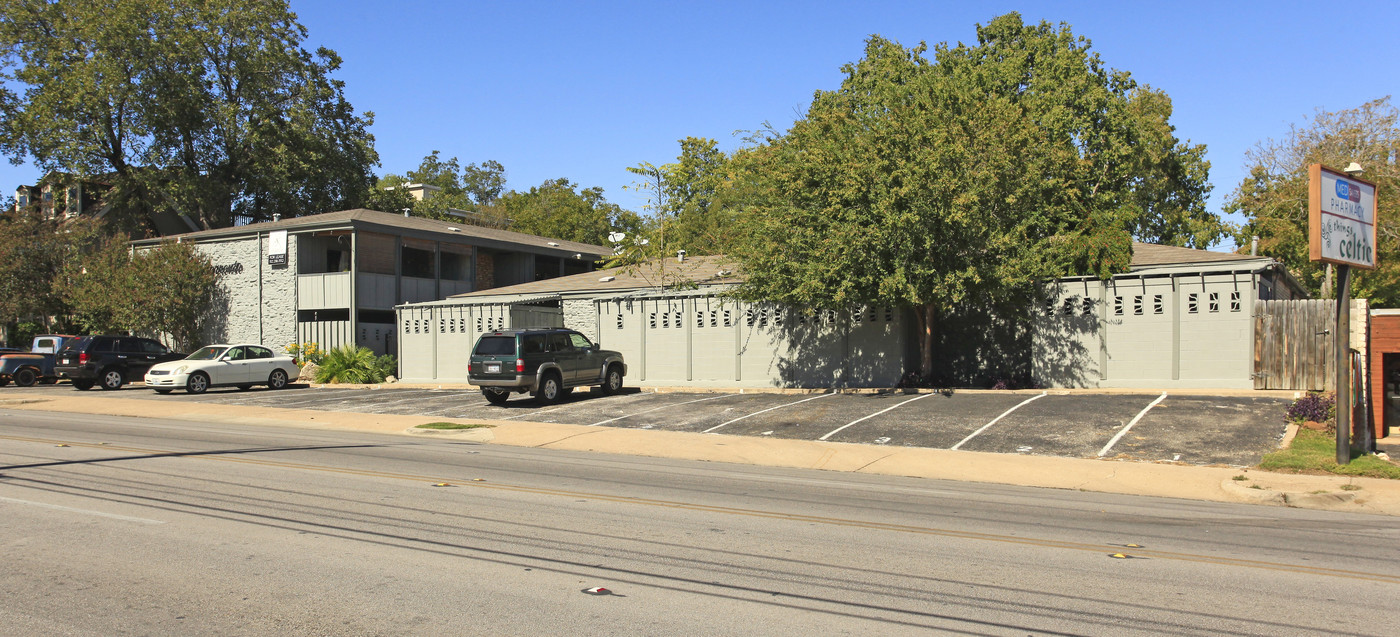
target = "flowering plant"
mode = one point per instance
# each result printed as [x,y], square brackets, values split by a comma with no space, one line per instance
[306,353]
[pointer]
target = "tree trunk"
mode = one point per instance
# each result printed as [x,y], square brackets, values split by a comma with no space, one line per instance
[925,313]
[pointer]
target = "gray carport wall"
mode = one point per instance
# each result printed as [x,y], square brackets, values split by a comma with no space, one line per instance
[1188,325]
[692,338]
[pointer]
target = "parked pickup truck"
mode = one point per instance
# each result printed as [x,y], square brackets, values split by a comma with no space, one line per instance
[27,368]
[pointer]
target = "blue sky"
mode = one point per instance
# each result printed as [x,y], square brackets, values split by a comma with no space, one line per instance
[584,90]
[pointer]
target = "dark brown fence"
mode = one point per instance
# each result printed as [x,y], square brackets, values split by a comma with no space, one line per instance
[1293,343]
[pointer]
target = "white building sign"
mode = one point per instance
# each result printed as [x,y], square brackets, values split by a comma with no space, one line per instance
[1341,218]
[277,247]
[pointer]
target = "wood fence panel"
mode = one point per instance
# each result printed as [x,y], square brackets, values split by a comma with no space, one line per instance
[1293,344]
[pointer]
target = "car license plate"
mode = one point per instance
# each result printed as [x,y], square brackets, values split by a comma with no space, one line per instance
[66,360]
[493,368]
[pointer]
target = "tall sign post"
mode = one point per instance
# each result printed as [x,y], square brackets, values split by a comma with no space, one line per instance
[1342,231]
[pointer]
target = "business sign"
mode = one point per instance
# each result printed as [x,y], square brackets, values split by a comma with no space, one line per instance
[1341,218]
[277,247]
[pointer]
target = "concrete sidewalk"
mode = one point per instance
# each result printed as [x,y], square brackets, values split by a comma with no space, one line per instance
[1337,493]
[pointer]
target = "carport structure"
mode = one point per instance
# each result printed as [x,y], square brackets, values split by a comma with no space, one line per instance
[1180,318]
[674,325]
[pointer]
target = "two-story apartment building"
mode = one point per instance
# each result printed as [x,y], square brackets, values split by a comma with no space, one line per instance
[335,278]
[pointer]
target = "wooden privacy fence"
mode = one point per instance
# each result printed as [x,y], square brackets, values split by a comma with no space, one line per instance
[1293,344]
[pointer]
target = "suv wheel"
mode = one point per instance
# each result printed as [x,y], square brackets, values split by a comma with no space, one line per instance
[612,382]
[82,385]
[551,389]
[113,379]
[495,396]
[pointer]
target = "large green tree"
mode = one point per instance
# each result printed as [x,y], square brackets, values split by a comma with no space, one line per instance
[559,209]
[211,109]
[967,179]
[1273,198]
[167,290]
[471,188]
[33,251]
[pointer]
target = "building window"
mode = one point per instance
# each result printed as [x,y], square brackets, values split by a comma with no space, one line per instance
[619,321]
[728,319]
[1087,309]
[1137,305]
[1068,308]
[1214,302]
[1235,301]
[1192,304]
[1156,304]
[417,263]
[1118,306]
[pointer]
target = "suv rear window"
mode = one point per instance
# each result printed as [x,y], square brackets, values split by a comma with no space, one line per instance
[496,346]
[76,344]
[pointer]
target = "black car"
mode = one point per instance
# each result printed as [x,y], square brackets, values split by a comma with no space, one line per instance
[548,363]
[111,361]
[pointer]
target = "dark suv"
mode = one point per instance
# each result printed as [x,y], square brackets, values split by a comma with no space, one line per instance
[109,360]
[549,363]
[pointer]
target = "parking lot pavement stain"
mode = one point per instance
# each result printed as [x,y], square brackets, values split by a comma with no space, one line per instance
[998,419]
[703,415]
[624,416]
[938,422]
[1074,426]
[1108,446]
[1229,430]
[764,411]
[878,413]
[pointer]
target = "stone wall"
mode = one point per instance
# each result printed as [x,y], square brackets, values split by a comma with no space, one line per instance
[255,302]
[581,316]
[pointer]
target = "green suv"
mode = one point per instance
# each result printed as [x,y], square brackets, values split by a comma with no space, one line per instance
[549,363]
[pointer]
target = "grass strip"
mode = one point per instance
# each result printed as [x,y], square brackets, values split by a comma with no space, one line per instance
[452,425]
[1316,452]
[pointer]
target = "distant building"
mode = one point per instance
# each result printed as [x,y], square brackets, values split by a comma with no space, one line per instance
[423,192]
[62,196]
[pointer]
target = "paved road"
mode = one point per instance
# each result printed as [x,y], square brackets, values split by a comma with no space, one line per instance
[1193,429]
[121,525]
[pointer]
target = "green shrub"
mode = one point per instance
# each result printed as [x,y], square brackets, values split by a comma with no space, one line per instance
[386,366]
[355,365]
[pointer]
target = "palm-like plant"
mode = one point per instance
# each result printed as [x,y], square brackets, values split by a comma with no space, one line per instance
[349,364]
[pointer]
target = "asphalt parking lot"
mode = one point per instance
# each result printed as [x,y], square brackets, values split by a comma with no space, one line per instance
[1231,430]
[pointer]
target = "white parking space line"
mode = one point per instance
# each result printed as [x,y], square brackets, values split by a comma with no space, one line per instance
[765,410]
[838,429]
[125,518]
[698,400]
[1124,430]
[997,419]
